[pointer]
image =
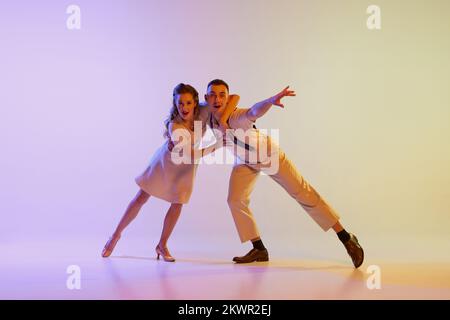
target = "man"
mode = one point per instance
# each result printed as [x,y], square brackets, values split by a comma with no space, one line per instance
[245,173]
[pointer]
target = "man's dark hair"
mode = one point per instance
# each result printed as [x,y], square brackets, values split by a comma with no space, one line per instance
[218,82]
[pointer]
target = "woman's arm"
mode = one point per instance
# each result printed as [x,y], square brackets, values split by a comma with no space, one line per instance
[210,149]
[233,101]
[179,137]
[181,141]
[259,109]
[200,153]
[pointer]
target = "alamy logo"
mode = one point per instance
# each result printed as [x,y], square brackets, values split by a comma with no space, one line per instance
[374,280]
[73,22]
[252,146]
[74,279]
[374,20]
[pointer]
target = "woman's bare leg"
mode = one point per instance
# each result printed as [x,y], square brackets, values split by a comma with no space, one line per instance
[130,214]
[132,211]
[170,221]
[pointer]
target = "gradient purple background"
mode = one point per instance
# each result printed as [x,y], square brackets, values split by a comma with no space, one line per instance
[82,112]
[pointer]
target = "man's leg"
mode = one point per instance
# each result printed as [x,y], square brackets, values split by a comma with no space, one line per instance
[318,209]
[298,188]
[242,183]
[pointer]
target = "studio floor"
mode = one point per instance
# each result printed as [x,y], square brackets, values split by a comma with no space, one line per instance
[46,270]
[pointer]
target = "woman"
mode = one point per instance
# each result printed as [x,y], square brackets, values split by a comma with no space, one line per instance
[166,177]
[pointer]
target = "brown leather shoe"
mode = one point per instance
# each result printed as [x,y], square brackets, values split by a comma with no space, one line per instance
[253,255]
[354,250]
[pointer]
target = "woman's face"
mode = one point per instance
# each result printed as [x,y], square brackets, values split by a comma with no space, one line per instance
[185,104]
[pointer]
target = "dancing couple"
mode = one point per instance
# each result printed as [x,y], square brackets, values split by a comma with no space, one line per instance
[172,180]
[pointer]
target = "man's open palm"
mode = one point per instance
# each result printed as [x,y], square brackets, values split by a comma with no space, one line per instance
[276,99]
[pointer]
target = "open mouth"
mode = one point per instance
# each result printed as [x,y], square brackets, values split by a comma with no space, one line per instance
[184,113]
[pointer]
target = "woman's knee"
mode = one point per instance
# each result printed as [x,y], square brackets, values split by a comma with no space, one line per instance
[176,205]
[141,197]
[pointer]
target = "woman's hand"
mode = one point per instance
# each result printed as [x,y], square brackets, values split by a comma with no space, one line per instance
[225,141]
[232,103]
[223,123]
[276,99]
[170,145]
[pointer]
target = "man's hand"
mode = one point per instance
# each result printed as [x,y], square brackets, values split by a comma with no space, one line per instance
[260,108]
[276,99]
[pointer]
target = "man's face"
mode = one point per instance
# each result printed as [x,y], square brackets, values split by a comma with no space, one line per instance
[217,98]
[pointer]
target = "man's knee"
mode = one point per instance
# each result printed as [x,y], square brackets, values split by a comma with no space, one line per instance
[236,201]
[306,195]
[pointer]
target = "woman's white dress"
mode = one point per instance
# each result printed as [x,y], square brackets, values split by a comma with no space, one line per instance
[165,179]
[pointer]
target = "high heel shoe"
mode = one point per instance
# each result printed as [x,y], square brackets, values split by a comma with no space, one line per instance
[109,246]
[164,252]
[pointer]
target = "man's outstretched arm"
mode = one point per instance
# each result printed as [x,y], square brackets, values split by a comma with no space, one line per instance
[260,108]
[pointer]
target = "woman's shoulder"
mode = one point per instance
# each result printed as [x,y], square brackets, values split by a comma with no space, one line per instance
[176,124]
